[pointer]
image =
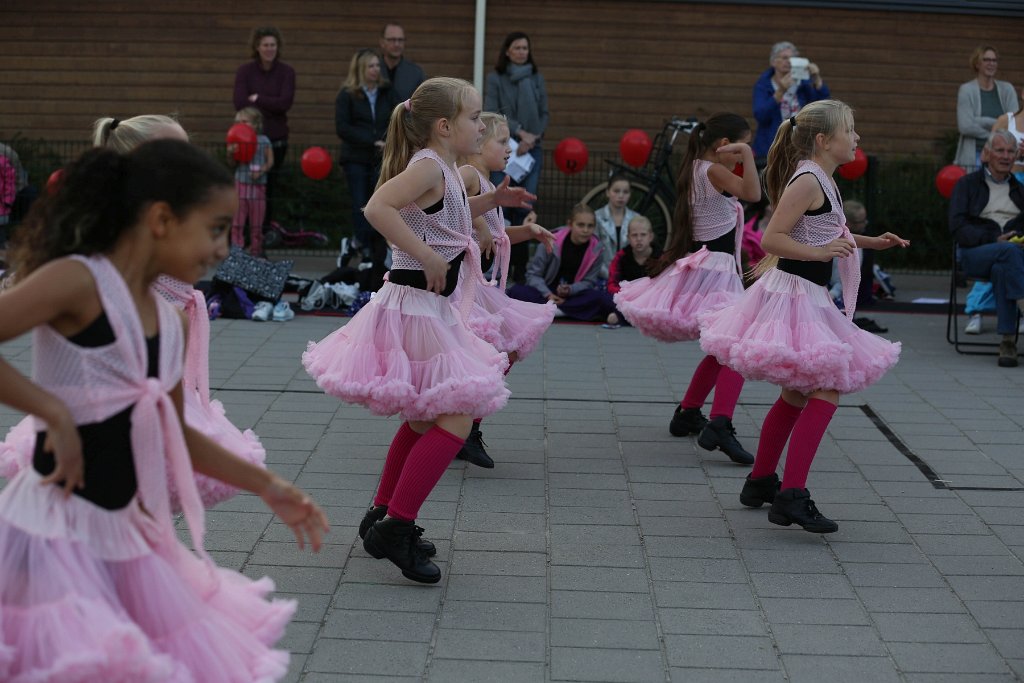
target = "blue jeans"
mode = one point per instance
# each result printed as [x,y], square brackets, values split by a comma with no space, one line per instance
[1002,263]
[360,177]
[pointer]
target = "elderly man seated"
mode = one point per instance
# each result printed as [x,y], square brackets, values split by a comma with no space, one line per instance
[985,213]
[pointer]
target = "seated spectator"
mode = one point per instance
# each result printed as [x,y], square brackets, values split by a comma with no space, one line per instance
[630,263]
[986,210]
[614,217]
[568,274]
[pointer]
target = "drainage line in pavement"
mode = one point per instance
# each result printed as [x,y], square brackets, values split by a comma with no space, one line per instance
[920,464]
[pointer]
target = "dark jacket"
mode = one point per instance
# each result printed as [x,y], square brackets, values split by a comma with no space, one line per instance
[768,113]
[625,268]
[405,78]
[970,195]
[358,127]
[276,90]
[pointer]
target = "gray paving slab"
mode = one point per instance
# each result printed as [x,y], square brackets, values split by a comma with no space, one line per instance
[602,549]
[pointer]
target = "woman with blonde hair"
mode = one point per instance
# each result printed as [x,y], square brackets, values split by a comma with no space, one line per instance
[361,113]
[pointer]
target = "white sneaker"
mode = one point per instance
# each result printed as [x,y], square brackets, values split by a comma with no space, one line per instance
[283,312]
[973,325]
[559,313]
[263,311]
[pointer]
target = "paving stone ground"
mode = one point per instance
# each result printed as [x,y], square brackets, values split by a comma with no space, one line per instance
[603,549]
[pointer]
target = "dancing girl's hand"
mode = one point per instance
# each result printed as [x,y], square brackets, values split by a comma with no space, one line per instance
[436,271]
[840,248]
[887,240]
[543,235]
[515,197]
[63,441]
[486,243]
[298,511]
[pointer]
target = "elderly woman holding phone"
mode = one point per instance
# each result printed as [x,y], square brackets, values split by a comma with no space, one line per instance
[781,91]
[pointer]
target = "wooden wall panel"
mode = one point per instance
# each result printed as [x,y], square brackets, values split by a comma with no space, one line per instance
[610,65]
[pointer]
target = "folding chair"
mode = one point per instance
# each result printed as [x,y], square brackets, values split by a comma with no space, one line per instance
[953,318]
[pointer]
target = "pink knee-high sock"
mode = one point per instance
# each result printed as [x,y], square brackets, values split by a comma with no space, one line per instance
[807,435]
[778,424]
[427,461]
[703,381]
[727,392]
[405,439]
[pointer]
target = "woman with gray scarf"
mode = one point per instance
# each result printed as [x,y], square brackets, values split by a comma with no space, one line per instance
[516,90]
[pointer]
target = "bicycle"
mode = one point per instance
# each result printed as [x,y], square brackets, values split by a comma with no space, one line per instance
[653,185]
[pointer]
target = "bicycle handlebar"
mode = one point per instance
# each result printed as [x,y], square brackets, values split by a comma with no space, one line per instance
[684,125]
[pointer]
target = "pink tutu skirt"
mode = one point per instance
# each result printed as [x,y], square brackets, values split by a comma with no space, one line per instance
[408,352]
[667,307]
[86,595]
[786,330]
[507,324]
[17,449]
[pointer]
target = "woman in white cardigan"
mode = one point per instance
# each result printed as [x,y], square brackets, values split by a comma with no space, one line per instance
[979,103]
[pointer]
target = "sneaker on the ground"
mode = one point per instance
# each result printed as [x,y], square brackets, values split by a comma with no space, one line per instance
[263,311]
[973,325]
[686,421]
[559,313]
[283,312]
[474,450]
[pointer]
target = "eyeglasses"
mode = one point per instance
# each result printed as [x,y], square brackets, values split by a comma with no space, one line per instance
[394,40]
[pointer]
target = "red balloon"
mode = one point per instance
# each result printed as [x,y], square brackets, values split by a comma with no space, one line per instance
[571,156]
[244,137]
[53,182]
[946,179]
[856,168]
[635,147]
[316,163]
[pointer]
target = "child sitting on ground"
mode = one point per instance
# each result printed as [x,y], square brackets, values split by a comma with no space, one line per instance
[568,274]
[630,263]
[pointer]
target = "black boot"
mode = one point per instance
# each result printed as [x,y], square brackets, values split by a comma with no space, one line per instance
[396,540]
[795,505]
[473,450]
[686,421]
[375,514]
[719,433]
[758,491]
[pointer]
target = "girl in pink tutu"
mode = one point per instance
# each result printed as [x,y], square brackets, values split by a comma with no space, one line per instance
[201,412]
[94,584]
[408,351]
[785,328]
[700,272]
[512,326]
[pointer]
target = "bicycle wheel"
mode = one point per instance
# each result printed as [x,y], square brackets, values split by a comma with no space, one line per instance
[658,213]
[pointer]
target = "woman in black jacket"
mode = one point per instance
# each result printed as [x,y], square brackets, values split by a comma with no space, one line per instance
[361,113]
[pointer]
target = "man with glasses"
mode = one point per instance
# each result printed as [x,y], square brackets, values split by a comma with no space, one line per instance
[405,76]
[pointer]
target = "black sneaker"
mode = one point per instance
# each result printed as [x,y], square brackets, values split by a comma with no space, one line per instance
[795,506]
[686,421]
[473,450]
[375,514]
[719,433]
[396,540]
[758,491]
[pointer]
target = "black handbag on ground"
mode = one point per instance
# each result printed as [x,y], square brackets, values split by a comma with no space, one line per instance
[259,277]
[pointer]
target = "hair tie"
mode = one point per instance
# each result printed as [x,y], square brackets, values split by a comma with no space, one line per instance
[114,124]
[408,105]
[792,121]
